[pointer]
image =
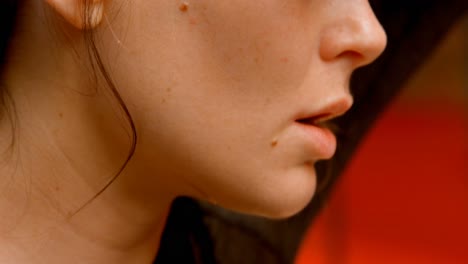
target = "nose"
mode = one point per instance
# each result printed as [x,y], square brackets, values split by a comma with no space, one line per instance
[353,33]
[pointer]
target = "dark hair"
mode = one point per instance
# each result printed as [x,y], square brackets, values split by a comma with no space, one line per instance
[8,11]
[98,67]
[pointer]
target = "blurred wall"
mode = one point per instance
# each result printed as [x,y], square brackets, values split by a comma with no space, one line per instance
[404,197]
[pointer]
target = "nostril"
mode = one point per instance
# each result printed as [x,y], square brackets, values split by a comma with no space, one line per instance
[352,54]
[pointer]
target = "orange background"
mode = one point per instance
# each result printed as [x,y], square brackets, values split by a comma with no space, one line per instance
[404,196]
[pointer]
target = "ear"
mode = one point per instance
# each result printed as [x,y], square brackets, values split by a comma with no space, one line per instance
[73,11]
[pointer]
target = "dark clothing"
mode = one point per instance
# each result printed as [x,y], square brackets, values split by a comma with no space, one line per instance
[201,233]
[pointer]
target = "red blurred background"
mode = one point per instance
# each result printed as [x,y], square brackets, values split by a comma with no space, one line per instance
[404,196]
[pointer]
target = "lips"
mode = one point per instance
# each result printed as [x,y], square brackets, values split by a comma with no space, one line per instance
[320,141]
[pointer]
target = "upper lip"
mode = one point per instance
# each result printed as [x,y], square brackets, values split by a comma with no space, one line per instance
[327,111]
[317,120]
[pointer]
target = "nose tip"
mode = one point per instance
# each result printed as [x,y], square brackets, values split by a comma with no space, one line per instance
[357,35]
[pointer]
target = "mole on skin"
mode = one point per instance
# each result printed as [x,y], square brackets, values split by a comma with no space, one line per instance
[183,7]
[274,143]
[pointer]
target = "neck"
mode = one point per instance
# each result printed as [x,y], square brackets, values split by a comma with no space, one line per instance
[67,145]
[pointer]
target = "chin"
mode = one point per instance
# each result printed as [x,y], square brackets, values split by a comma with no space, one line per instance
[286,210]
[285,199]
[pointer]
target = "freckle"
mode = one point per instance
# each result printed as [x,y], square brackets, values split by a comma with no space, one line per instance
[168,89]
[163,101]
[257,60]
[60,114]
[184,7]
[284,60]
[274,143]
[57,188]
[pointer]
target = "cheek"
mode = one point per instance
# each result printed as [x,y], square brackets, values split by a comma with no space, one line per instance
[259,47]
[217,62]
[206,91]
[257,61]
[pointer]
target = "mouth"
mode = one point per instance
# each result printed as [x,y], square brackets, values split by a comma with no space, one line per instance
[318,137]
[326,112]
[316,127]
[321,121]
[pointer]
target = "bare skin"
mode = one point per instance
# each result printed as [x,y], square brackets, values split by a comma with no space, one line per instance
[215,89]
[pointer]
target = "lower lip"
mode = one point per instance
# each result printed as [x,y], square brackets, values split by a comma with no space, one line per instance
[321,141]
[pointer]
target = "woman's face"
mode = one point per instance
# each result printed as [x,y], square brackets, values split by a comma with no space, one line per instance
[216,89]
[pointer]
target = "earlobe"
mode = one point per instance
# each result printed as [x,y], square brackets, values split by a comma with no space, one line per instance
[82,14]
